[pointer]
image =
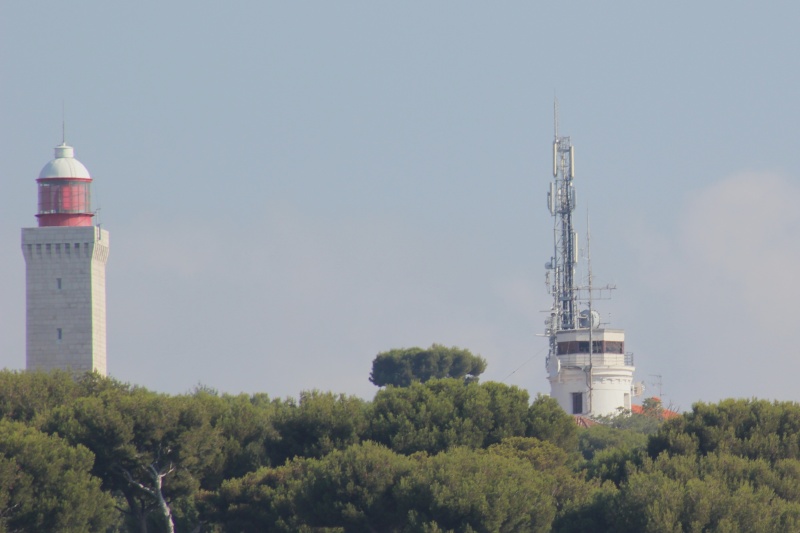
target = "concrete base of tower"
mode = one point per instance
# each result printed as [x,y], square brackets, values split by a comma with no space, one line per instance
[595,391]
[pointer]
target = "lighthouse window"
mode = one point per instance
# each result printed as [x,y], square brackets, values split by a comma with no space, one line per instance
[64,197]
[58,283]
[59,334]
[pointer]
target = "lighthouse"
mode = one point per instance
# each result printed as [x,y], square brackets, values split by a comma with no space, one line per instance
[65,270]
[590,372]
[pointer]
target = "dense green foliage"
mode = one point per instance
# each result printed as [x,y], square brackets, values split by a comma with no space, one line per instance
[405,366]
[443,455]
[46,485]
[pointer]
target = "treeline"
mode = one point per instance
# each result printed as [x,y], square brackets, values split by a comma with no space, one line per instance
[94,454]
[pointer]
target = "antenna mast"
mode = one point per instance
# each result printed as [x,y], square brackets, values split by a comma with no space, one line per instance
[590,376]
[561,201]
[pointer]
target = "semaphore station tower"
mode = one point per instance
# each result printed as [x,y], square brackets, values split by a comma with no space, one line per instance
[590,372]
[65,268]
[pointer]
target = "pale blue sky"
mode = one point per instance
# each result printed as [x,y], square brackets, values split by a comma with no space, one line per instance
[293,187]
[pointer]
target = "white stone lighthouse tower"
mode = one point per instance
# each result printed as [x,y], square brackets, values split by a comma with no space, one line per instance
[65,267]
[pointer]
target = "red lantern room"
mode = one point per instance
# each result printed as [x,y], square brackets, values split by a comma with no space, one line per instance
[64,191]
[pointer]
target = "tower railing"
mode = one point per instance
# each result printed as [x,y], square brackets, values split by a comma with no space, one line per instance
[597,359]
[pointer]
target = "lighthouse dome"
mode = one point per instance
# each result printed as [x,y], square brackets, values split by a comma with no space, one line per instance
[64,165]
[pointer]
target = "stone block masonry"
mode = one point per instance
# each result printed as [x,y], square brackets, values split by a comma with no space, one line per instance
[65,268]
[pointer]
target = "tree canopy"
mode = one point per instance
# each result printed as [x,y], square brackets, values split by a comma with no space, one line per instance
[402,367]
[46,484]
[444,455]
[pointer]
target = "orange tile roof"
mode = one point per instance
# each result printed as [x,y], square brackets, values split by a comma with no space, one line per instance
[666,414]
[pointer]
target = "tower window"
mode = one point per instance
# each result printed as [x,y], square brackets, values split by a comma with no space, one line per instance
[58,283]
[577,402]
[59,334]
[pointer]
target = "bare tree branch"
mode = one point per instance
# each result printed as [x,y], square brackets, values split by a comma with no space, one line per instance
[157,475]
[138,485]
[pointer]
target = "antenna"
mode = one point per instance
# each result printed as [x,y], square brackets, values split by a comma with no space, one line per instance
[561,269]
[660,384]
[591,311]
[555,116]
[63,123]
[561,200]
[589,253]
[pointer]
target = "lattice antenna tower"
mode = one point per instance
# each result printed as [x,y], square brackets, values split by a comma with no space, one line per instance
[561,267]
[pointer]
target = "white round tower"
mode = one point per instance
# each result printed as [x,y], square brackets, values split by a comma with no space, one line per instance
[597,383]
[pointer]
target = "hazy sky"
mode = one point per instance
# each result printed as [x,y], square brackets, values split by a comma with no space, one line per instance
[293,187]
